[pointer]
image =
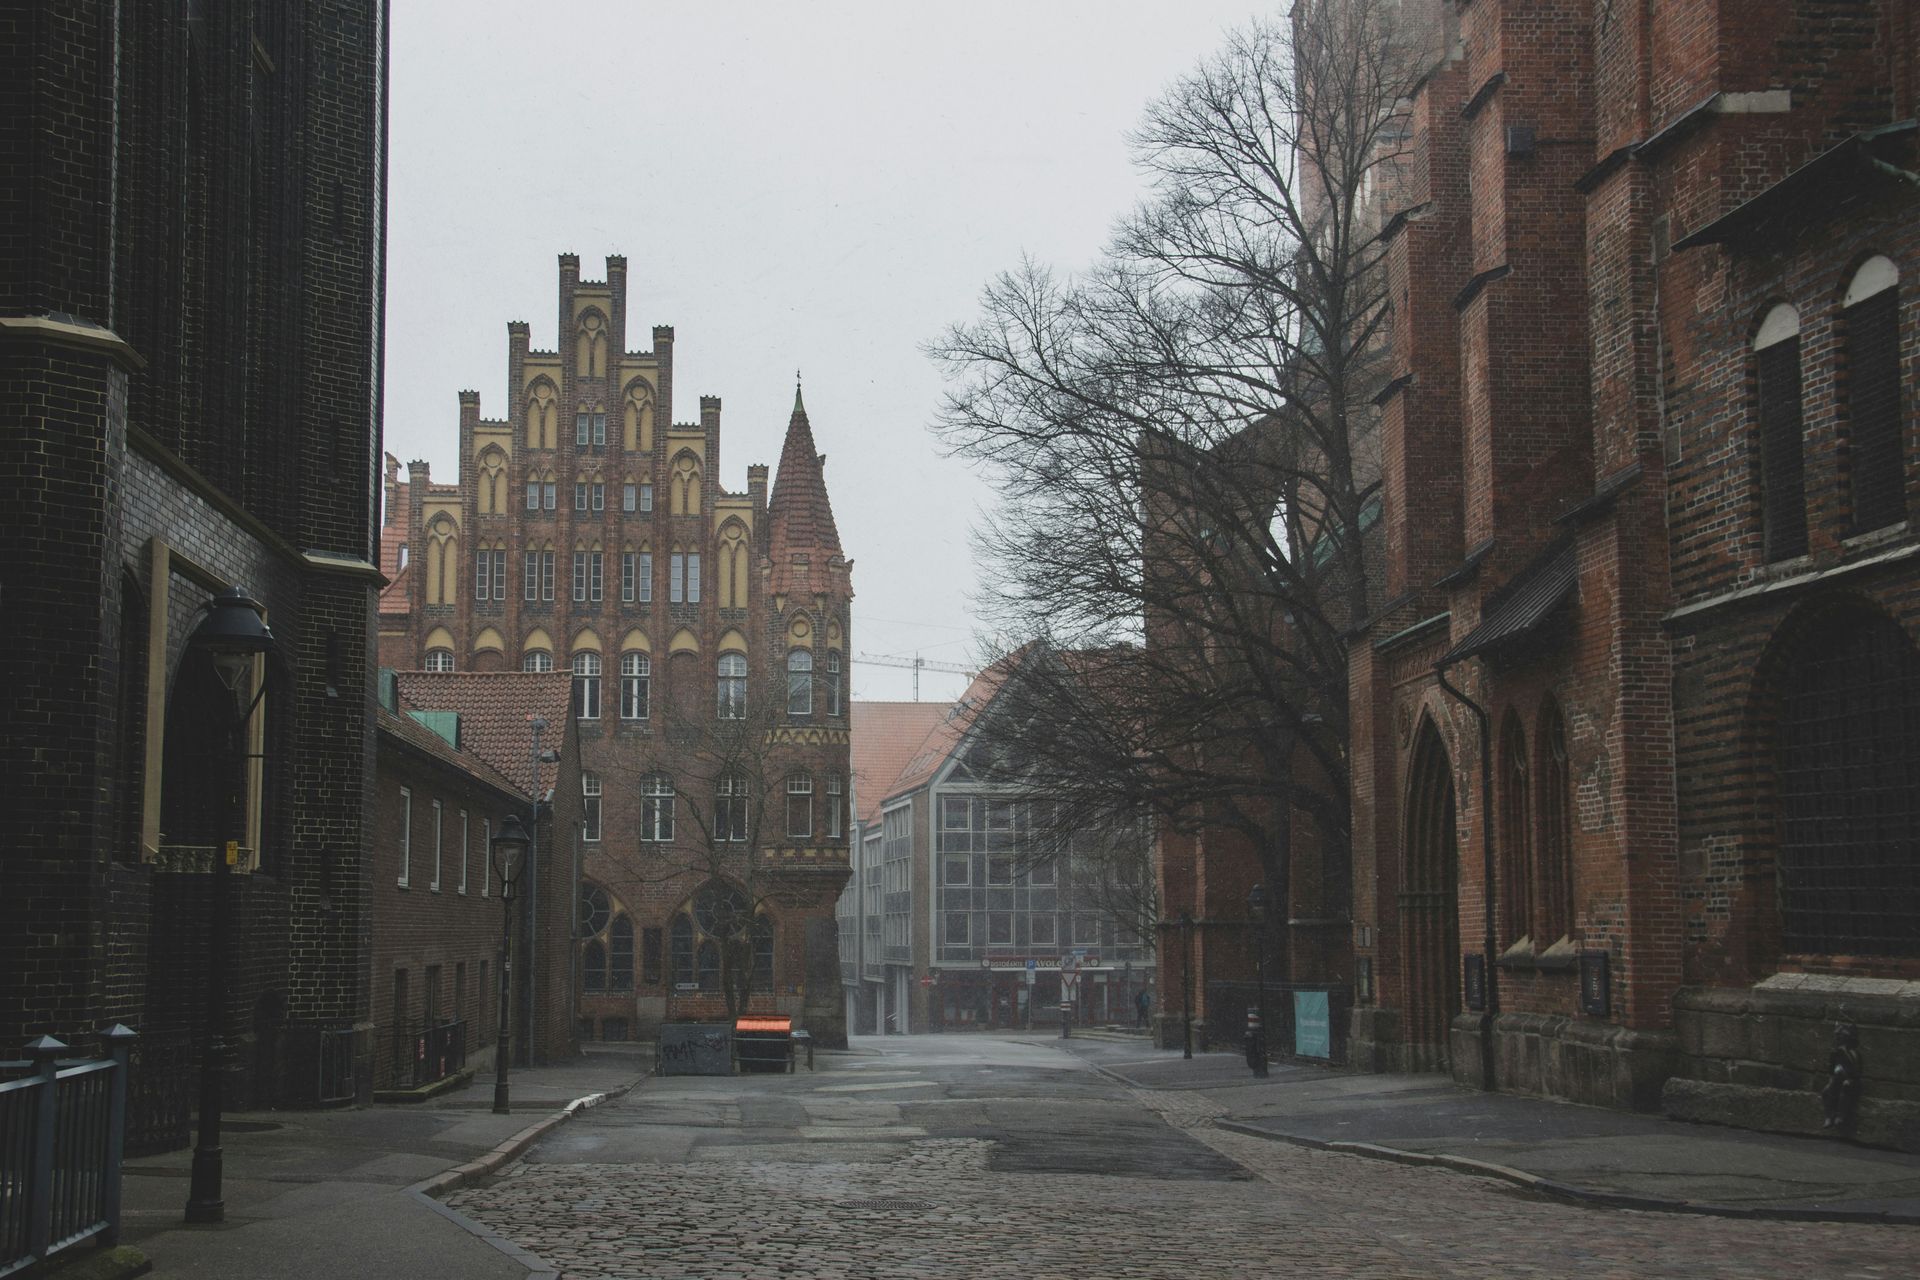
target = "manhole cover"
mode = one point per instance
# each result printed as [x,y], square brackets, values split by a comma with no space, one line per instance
[886,1202]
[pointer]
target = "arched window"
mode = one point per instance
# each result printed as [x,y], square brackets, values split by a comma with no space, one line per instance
[586,685]
[681,944]
[1783,490]
[635,675]
[1516,853]
[730,808]
[596,909]
[439,660]
[833,682]
[536,660]
[656,808]
[1849,796]
[590,805]
[1555,832]
[620,955]
[707,964]
[799,683]
[593,966]
[800,806]
[1876,462]
[733,686]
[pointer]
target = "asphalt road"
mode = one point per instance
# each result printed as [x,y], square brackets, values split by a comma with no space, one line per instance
[978,1156]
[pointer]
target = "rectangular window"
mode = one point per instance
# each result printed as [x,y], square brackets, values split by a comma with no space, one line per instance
[1875,467]
[533,495]
[958,870]
[676,578]
[594,576]
[500,574]
[486,867]
[530,576]
[581,423]
[656,810]
[599,496]
[1086,929]
[406,835]
[953,813]
[693,577]
[1043,926]
[482,575]
[628,497]
[1000,869]
[834,807]
[551,491]
[546,575]
[800,808]
[628,564]
[646,577]
[580,495]
[957,931]
[1042,872]
[435,886]
[464,834]
[599,430]
[580,576]
[646,497]
[1000,928]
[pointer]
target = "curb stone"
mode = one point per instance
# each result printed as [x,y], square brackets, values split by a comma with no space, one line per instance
[1577,1195]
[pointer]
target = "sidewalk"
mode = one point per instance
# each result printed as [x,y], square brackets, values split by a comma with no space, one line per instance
[327,1193]
[1584,1153]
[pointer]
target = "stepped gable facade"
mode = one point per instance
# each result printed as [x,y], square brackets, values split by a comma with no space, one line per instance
[707,634]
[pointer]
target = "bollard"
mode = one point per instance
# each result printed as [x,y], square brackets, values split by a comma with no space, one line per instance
[1066,1019]
[1256,1044]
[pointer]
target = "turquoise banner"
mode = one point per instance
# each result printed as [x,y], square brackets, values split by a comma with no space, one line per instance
[1312,1030]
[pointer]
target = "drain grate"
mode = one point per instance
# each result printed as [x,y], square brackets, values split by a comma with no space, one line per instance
[887,1202]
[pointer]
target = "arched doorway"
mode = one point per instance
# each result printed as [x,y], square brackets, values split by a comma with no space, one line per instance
[1429,908]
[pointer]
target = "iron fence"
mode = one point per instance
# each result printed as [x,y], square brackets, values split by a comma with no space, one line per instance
[1228,1002]
[335,1066]
[63,1125]
[161,1084]
[430,1054]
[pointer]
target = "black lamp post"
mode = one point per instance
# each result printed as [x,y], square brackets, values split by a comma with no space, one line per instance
[1257,1015]
[1186,984]
[509,855]
[231,635]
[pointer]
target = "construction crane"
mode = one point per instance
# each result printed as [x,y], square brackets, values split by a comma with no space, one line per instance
[916,664]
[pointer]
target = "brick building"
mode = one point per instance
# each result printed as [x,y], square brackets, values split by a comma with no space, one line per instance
[1649,454]
[706,632]
[191,276]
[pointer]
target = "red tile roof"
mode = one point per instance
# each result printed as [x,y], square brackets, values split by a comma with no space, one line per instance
[799,516]
[941,743]
[885,736]
[495,710]
[416,735]
[395,597]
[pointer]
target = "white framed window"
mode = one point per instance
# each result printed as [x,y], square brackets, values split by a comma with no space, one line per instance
[594,577]
[1000,928]
[486,864]
[599,430]
[530,575]
[439,660]
[635,676]
[500,573]
[550,491]
[676,577]
[629,497]
[629,571]
[956,869]
[483,574]
[1086,928]
[656,808]
[1045,927]
[958,934]
[646,497]
[464,850]
[646,577]
[1000,869]
[533,495]
[599,496]
[800,807]
[586,685]
[833,682]
[581,424]
[590,806]
[800,683]
[437,848]
[537,660]
[835,807]
[953,813]
[1042,872]
[546,575]
[693,577]
[406,835]
[580,577]
[732,683]
[579,495]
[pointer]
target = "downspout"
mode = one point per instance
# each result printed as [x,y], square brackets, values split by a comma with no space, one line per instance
[1492,1011]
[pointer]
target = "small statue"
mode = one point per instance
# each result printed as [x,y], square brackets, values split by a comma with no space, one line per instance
[1842,1094]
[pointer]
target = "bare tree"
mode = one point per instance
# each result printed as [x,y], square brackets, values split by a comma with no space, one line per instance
[1181,438]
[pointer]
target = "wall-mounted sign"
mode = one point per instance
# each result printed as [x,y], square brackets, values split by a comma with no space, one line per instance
[1312,1028]
[1596,996]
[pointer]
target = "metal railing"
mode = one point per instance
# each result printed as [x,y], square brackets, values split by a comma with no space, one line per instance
[63,1126]
[430,1054]
[161,1091]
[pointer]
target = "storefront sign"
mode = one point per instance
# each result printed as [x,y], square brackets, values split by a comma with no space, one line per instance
[1312,1028]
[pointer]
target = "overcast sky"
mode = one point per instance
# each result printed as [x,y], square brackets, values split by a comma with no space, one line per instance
[821,187]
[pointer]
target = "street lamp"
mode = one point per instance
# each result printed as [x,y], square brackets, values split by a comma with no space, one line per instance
[509,855]
[231,636]
[1257,1015]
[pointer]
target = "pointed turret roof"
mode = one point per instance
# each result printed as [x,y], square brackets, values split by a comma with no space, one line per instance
[799,516]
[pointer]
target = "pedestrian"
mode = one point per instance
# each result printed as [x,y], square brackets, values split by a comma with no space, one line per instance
[1141,1003]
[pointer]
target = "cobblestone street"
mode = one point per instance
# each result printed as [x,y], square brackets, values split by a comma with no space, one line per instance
[965,1156]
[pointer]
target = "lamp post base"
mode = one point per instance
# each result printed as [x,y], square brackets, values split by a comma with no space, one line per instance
[204,1201]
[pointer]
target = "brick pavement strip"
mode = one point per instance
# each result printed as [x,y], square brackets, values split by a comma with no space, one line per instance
[933,1207]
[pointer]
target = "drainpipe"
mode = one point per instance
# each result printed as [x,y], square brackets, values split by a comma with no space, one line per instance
[1492,1011]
